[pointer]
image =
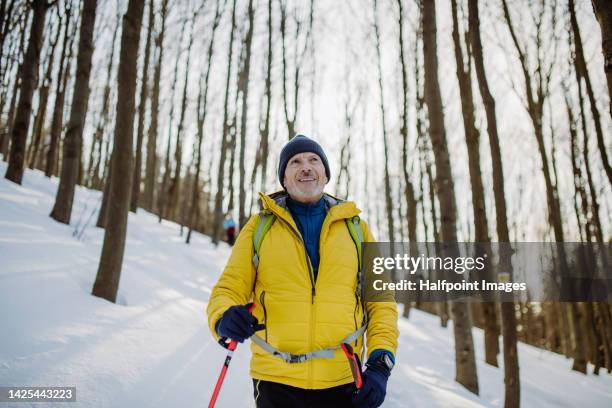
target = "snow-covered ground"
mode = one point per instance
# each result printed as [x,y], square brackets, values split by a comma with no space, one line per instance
[153,348]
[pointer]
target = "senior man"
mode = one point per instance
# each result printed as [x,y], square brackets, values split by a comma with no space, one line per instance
[298,261]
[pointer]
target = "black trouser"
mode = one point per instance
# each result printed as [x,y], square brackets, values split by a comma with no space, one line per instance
[274,395]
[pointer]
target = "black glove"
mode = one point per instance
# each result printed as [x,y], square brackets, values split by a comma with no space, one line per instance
[372,393]
[237,324]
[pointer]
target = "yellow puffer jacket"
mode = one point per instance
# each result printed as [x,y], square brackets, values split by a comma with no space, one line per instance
[300,318]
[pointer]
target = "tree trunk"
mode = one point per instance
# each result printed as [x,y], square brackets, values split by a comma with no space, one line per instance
[109,270]
[6,137]
[202,106]
[583,72]
[218,219]
[141,111]
[472,140]
[511,367]
[465,370]
[151,170]
[60,93]
[163,199]
[244,89]
[175,186]
[603,13]
[29,78]
[74,134]
[409,189]
[43,97]
[388,201]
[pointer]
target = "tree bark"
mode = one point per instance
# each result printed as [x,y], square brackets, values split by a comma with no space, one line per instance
[511,367]
[151,170]
[202,106]
[583,73]
[388,202]
[218,219]
[29,77]
[472,140]
[74,134]
[63,74]
[43,98]
[603,13]
[109,270]
[141,111]
[465,369]
[244,90]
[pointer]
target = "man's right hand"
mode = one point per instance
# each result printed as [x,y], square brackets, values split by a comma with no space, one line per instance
[237,323]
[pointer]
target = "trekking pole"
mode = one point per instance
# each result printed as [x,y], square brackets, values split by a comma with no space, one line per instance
[230,353]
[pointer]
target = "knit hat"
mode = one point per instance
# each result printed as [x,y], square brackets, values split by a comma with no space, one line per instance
[300,144]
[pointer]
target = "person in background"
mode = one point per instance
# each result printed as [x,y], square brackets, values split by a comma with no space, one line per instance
[230,229]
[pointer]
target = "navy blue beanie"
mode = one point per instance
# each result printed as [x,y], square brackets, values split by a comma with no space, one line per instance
[300,144]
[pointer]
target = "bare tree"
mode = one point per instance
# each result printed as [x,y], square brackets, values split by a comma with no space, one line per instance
[388,203]
[74,133]
[63,75]
[29,78]
[603,13]
[465,363]
[175,185]
[299,55]
[43,96]
[261,156]
[508,316]
[141,111]
[151,170]
[109,270]
[201,111]
[224,137]
[409,188]
[163,194]
[243,89]
[583,74]
[537,90]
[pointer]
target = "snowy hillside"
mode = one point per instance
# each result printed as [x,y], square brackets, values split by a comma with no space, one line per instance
[154,349]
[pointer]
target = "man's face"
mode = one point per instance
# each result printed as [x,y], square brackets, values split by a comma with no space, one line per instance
[305,177]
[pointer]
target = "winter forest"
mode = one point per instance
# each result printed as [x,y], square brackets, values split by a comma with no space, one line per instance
[445,121]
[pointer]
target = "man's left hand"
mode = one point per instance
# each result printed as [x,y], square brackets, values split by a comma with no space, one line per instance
[372,393]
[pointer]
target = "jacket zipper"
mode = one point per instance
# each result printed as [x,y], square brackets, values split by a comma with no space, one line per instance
[313,294]
[263,305]
[310,272]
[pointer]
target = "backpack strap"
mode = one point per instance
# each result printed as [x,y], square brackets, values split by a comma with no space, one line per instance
[266,219]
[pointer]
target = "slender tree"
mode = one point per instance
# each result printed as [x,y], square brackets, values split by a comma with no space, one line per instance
[583,74]
[244,91]
[151,164]
[261,157]
[508,315]
[202,110]
[465,363]
[175,185]
[603,13]
[20,52]
[74,133]
[29,78]
[141,111]
[109,270]
[218,213]
[472,139]
[43,96]
[409,188]
[388,202]
[163,195]
[61,83]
